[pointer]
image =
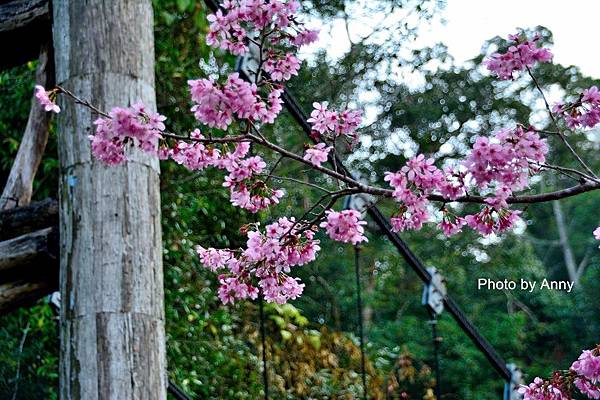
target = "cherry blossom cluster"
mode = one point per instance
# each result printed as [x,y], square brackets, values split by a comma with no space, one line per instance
[521,54]
[584,375]
[44,98]
[317,154]
[126,126]
[415,180]
[264,265]
[247,190]
[597,233]
[332,124]
[233,28]
[345,226]
[503,161]
[217,105]
[282,69]
[584,112]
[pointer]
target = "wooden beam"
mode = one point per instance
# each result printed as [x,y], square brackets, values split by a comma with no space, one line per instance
[23,26]
[19,254]
[28,268]
[18,221]
[25,292]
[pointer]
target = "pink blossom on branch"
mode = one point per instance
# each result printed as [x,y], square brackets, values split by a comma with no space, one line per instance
[317,154]
[43,98]
[588,365]
[333,124]
[126,126]
[217,105]
[584,112]
[282,69]
[265,263]
[584,375]
[232,29]
[520,55]
[345,226]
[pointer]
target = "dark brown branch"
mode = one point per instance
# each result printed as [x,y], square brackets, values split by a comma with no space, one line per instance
[22,25]
[526,199]
[25,292]
[355,186]
[27,250]
[28,268]
[19,221]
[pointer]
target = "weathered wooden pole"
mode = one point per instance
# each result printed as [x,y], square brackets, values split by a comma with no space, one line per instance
[111,279]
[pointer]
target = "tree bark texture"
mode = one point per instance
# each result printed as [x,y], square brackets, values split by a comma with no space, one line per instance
[19,185]
[18,221]
[28,268]
[111,279]
[23,23]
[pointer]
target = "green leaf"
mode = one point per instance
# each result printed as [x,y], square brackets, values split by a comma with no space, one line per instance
[286,335]
[183,5]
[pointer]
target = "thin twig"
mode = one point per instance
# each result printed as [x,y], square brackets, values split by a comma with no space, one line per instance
[285,178]
[18,373]
[556,125]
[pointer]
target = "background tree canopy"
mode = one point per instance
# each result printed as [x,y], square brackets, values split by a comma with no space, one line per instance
[214,350]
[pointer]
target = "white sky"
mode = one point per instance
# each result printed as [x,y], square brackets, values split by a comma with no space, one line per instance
[469,23]
[574,24]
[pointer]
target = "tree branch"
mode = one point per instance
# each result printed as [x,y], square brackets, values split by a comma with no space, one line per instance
[19,185]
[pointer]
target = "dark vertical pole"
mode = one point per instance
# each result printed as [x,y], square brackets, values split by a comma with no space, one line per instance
[263,338]
[436,358]
[360,320]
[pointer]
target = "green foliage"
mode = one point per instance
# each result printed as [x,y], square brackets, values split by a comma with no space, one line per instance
[29,354]
[32,367]
[214,351]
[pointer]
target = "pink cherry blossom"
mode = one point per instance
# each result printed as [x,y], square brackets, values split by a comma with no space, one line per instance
[586,387]
[506,158]
[133,125]
[333,123]
[345,226]
[588,365]
[317,154]
[217,105]
[451,225]
[541,390]
[306,37]
[520,55]
[43,98]
[212,258]
[265,263]
[282,69]
[584,112]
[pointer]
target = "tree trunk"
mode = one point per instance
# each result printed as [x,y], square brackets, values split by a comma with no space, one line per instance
[575,271]
[19,185]
[111,281]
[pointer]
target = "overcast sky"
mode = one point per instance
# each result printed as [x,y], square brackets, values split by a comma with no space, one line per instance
[574,24]
[469,23]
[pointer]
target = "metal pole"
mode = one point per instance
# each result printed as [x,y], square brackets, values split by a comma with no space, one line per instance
[263,338]
[360,320]
[436,358]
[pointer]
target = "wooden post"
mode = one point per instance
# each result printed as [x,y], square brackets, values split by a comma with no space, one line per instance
[111,281]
